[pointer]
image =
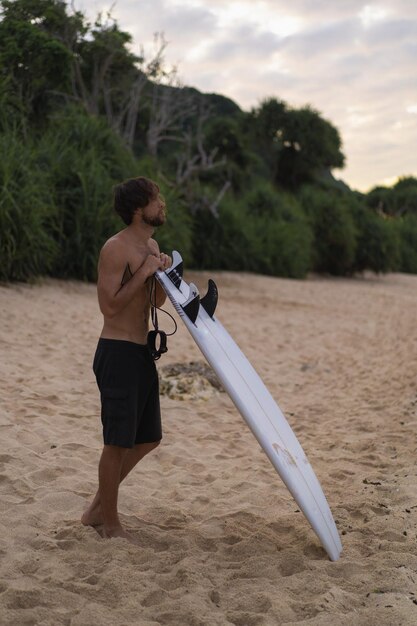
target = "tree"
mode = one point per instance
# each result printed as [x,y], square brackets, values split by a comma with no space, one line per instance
[405,194]
[296,144]
[33,54]
[398,200]
[264,125]
[170,107]
[310,145]
[101,59]
[194,161]
[225,135]
[381,200]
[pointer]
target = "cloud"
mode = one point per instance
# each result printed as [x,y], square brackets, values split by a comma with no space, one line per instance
[329,38]
[180,21]
[390,32]
[246,42]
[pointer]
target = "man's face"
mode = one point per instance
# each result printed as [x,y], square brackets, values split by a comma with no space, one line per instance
[154,213]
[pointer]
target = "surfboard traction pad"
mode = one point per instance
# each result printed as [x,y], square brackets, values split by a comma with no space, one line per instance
[191,307]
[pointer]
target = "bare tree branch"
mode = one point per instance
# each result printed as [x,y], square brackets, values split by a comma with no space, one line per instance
[213,206]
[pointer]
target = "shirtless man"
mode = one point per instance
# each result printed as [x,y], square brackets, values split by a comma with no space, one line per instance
[125,371]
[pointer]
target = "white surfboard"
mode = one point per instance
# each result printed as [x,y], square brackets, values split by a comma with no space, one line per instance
[253,401]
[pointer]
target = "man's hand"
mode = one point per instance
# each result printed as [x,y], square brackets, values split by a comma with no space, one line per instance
[165,260]
[152,264]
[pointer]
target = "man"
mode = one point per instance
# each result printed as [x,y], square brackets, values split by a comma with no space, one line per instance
[125,372]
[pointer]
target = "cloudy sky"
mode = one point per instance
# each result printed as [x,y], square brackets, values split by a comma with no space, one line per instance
[354,61]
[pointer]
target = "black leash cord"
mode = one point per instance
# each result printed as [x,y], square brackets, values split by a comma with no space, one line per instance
[156,334]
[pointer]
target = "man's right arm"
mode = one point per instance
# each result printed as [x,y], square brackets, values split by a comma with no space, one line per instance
[112,263]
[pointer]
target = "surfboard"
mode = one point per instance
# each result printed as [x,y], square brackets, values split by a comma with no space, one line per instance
[252,399]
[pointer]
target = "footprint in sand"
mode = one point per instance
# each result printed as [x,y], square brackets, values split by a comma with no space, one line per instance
[22,598]
[293,565]
[155,598]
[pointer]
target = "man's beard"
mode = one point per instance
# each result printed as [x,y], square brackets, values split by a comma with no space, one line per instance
[158,220]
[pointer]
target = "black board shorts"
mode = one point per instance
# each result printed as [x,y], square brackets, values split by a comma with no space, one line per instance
[128,382]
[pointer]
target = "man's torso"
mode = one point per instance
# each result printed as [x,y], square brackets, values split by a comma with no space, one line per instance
[132,322]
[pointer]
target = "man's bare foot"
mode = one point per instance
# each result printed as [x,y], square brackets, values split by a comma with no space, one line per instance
[92,517]
[113,533]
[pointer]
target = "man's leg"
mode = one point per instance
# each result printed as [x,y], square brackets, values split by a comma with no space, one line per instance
[93,516]
[109,471]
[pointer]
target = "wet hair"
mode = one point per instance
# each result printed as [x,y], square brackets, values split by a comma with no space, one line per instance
[133,194]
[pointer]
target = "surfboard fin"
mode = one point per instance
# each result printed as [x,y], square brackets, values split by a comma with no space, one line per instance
[175,272]
[192,305]
[209,301]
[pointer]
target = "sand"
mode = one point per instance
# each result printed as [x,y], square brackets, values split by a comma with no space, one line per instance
[221,540]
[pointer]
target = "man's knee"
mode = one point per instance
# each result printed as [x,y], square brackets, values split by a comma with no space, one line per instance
[147,447]
[152,445]
[115,452]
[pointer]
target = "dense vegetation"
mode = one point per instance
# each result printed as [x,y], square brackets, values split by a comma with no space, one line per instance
[79,112]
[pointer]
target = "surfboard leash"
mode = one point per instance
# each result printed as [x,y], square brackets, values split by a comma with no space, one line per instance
[156,335]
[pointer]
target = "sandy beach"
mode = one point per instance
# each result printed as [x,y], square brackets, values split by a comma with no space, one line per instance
[221,540]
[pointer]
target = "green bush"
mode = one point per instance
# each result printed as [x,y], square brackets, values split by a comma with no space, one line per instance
[221,242]
[378,245]
[264,232]
[27,210]
[281,231]
[56,198]
[84,160]
[334,246]
[407,228]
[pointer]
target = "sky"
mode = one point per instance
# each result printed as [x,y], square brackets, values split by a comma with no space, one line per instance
[353,61]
